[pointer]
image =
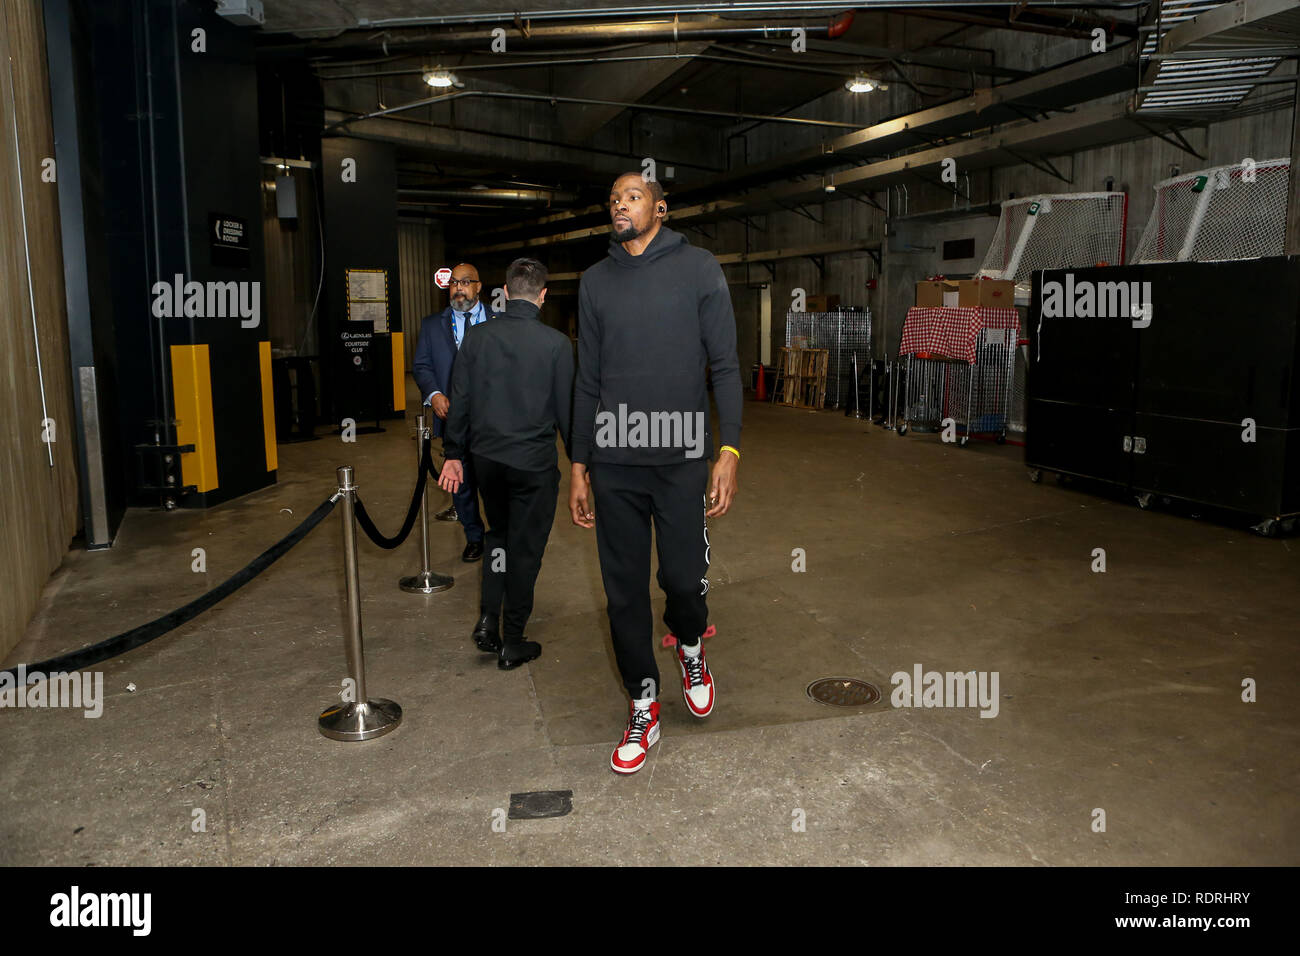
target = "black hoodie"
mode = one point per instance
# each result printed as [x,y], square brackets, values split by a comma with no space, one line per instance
[647,327]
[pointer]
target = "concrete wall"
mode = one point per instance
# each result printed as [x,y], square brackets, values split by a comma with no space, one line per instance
[38,511]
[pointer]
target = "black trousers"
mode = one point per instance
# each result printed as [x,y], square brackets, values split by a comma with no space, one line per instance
[628,498]
[520,509]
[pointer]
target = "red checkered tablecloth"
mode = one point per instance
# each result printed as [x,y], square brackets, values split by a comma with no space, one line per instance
[952,332]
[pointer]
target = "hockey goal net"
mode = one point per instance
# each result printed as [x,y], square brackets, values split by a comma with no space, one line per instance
[1227,212]
[1058,231]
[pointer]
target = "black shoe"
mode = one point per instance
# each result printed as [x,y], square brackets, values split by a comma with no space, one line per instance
[448,515]
[473,551]
[486,634]
[521,652]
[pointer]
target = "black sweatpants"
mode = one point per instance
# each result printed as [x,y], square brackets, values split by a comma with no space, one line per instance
[520,509]
[627,498]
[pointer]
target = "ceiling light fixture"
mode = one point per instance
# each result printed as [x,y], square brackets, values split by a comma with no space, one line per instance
[864,84]
[440,78]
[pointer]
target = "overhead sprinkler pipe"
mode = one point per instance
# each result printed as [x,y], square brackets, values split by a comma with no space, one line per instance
[585,101]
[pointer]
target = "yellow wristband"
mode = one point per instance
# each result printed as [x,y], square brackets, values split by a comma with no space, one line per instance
[732,450]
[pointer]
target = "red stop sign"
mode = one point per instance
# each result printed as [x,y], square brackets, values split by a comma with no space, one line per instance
[442,277]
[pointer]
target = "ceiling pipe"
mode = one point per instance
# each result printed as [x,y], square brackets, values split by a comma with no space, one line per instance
[583,101]
[489,195]
[839,25]
[752,62]
[1021,26]
[407,39]
[734,9]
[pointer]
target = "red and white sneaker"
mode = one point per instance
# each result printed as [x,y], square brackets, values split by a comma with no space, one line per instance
[642,733]
[697,682]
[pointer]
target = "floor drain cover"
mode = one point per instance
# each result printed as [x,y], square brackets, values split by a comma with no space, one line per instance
[843,691]
[538,804]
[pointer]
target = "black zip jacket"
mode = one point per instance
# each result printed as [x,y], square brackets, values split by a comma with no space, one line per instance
[510,390]
[647,327]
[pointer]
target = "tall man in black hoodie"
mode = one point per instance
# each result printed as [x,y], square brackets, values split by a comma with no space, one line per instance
[651,316]
[510,391]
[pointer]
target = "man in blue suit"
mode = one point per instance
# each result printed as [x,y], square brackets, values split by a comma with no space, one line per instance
[440,339]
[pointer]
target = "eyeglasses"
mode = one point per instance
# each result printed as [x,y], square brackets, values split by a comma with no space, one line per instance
[465,282]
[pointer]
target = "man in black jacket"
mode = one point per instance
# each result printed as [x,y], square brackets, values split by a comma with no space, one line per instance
[651,316]
[510,391]
[435,357]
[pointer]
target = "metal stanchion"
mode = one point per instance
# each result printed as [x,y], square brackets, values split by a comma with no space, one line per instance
[360,718]
[857,388]
[892,397]
[426,582]
[871,388]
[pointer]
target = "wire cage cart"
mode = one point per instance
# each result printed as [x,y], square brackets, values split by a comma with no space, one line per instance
[959,364]
[1017,420]
[841,333]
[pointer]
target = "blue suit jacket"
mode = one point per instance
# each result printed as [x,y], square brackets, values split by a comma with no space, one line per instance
[435,355]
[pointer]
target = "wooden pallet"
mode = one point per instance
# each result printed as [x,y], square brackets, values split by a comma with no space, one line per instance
[801,378]
[813,366]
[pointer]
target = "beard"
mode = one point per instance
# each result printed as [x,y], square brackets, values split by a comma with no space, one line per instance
[631,232]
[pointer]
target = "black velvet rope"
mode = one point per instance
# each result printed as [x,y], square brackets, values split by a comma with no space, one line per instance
[412,512]
[136,637]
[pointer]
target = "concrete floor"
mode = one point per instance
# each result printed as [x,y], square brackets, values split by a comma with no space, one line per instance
[1119,691]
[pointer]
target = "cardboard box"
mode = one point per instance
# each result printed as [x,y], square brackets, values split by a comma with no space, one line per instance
[992,293]
[821,303]
[930,292]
